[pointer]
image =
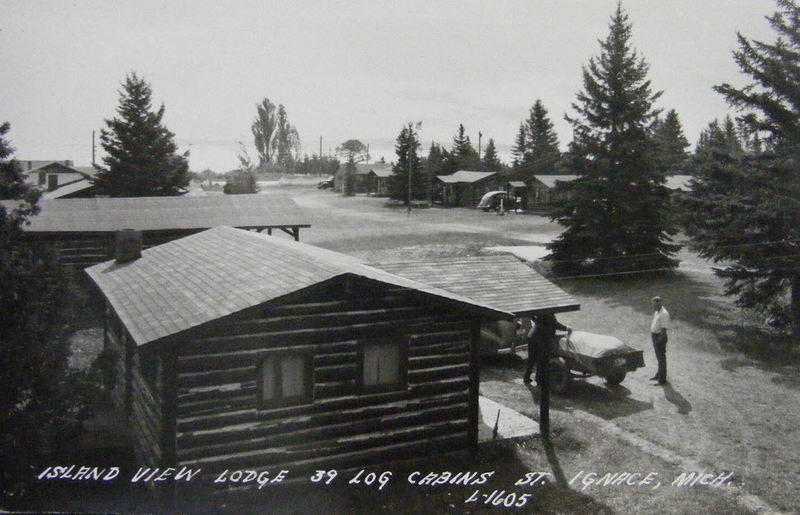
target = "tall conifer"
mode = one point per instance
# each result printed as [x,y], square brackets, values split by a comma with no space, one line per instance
[541,148]
[407,149]
[751,206]
[670,144]
[616,212]
[141,155]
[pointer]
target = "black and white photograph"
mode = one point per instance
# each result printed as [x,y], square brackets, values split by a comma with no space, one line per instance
[401,257]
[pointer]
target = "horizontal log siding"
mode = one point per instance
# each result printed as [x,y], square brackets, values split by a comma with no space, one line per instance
[146,415]
[116,347]
[220,427]
[90,249]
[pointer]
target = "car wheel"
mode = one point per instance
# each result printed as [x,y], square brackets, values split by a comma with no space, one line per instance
[616,377]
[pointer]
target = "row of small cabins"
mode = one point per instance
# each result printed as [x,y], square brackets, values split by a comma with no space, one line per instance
[235,348]
[465,188]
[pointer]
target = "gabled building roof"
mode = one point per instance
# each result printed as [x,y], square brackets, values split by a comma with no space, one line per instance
[165,213]
[68,189]
[464,176]
[516,184]
[502,281]
[365,168]
[215,273]
[551,180]
[382,170]
[31,164]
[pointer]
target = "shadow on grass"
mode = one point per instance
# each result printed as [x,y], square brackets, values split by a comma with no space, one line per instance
[606,403]
[673,396]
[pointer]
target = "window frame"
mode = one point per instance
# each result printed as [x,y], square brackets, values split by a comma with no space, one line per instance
[279,401]
[402,384]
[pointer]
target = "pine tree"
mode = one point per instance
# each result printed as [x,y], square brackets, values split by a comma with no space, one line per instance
[407,147]
[520,147]
[141,153]
[462,155]
[616,214]
[37,394]
[491,163]
[751,206]
[541,149]
[670,144]
[717,142]
[435,160]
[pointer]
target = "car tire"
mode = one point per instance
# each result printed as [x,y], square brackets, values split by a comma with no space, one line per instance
[616,378]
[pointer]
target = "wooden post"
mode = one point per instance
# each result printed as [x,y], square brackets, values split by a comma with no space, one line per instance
[543,373]
[473,418]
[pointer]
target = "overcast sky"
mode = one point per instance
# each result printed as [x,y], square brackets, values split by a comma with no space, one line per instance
[350,69]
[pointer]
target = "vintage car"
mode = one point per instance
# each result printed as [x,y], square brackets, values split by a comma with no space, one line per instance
[502,335]
[581,355]
[494,199]
[326,184]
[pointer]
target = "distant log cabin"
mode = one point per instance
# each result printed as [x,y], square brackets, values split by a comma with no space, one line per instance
[465,188]
[236,349]
[81,231]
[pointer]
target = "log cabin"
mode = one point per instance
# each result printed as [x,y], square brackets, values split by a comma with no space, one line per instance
[236,349]
[82,231]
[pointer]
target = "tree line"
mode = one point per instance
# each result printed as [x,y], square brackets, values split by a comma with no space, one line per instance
[618,213]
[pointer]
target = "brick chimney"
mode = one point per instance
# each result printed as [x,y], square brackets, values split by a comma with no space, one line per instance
[128,245]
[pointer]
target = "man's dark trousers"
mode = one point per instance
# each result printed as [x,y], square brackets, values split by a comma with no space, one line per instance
[660,348]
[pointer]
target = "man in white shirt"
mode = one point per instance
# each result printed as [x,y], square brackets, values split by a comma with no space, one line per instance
[658,333]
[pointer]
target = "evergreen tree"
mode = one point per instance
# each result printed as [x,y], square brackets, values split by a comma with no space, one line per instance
[462,155]
[38,395]
[616,214]
[435,160]
[407,147]
[670,144]
[491,162]
[717,142]
[141,153]
[751,206]
[541,142]
[520,147]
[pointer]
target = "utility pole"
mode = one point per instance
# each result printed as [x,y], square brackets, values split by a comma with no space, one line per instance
[320,155]
[410,150]
[479,144]
[92,148]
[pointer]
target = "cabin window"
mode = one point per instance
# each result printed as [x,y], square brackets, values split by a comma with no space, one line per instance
[383,365]
[286,379]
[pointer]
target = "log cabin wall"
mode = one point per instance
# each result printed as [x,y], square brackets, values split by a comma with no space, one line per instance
[114,342]
[137,390]
[82,250]
[145,413]
[221,425]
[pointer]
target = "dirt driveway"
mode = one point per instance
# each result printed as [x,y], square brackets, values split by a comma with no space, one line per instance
[733,403]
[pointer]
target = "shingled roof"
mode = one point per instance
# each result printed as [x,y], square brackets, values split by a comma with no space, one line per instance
[194,280]
[502,281]
[551,180]
[165,213]
[464,176]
